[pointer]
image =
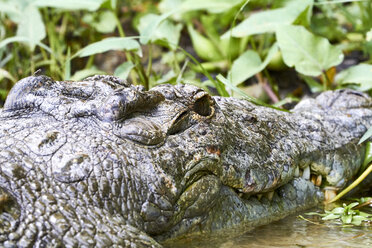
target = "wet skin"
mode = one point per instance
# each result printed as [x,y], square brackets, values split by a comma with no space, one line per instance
[102,162]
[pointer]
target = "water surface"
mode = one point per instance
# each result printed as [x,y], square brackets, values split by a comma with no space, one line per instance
[291,232]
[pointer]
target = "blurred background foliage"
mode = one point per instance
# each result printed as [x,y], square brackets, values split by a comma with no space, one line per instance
[274,51]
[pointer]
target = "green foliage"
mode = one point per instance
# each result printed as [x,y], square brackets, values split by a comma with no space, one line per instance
[346,214]
[248,64]
[123,70]
[81,74]
[31,26]
[113,43]
[204,47]
[90,5]
[368,155]
[240,39]
[366,136]
[104,22]
[309,54]
[358,77]
[269,20]
[167,34]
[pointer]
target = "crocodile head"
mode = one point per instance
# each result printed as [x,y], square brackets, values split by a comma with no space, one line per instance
[171,161]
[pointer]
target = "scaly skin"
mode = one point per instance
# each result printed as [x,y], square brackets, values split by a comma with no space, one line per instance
[104,163]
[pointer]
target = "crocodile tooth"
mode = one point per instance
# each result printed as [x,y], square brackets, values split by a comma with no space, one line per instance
[329,194]
[318,181]
[259,196]
[313,178]
[269,195]
[306,173]
[297,172]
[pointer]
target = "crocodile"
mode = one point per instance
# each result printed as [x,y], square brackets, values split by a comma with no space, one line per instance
[102,162]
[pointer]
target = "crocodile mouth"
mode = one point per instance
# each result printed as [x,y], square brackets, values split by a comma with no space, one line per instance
[305,174]
[210,207]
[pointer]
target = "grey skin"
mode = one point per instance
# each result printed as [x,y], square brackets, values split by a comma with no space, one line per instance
[104,163]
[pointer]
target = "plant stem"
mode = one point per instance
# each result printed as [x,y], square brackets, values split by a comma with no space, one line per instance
[354,184]
[118,25]
[326,80]
[149,65]
[141,72]
[32,62]
[133,58]
[219,86]
[175,62]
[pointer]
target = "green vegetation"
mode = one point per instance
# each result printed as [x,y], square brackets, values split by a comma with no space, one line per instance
[348,214]
[238,39]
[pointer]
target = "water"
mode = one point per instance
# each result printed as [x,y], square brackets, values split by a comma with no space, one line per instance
[291,232]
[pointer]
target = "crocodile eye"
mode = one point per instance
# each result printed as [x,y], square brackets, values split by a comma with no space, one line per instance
[123,102]
[180,123]
[202,106]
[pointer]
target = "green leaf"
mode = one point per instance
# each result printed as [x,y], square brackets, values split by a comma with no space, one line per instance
[309,54]
[346,219]
[212,6]
[113,4]
[167,34]
[123,70]
[364,214]
[169,5]
[12,9]
[313,84]
[288,99]
[353,204]
[68,65]
[113,43]
[178,7]
[79,75]
[31,26]
[366,136]
[106,22]
[359,76]
[3,94]
[357,220]
[228,84]
[338,210]
[203,47]
[248,64]
[6,74]
[22,39]
[268,21]
[367,156]
[331,217]
[90,5]
[315,213]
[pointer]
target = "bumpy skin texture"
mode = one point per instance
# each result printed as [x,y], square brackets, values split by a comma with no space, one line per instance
[104,163]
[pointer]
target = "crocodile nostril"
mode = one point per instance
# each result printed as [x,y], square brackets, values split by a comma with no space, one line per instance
[202,106]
